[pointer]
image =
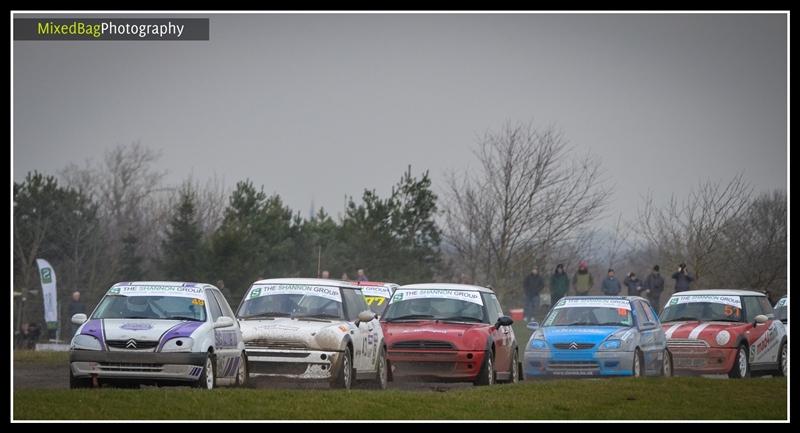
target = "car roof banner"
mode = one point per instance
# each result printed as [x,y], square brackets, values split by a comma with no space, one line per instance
[593,302]
[717,299]
[327,292]
[461,295]
[157,290]
[381,291]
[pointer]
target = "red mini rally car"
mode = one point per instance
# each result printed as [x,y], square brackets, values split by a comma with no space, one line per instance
[730,332]
[449,332]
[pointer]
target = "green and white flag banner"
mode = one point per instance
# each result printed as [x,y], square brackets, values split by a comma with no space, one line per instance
[48,278]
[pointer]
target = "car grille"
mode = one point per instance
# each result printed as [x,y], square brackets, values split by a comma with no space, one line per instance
[130,366]
[687,345]
[573,365]
[423,345]
[277,367]
[576,346]
[131,344]
[275,344]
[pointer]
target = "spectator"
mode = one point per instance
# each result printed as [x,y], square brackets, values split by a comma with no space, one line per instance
[345,277]
[532,285]
[559,284]
[582,281]
[361,276]
[634,285]
[611,286]
[75,307]
[221,286]
[325,275]
[682,278]
[28,335]
[654,285]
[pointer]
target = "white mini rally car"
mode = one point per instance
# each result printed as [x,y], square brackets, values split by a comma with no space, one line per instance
[312,329]
[158,333]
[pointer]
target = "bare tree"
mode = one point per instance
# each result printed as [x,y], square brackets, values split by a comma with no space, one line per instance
[530,194]
[692,230]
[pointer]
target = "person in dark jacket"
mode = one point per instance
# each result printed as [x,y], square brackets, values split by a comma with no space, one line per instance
[654,285]
[75,307]
[582,280]
[611,286]
[634,285]
[559,284]
[533,285]
[682,278]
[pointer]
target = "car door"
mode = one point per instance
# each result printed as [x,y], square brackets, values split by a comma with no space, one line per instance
[364,344]
[765,337]
[501,336]
[648,328]
[222,350]
[229,337]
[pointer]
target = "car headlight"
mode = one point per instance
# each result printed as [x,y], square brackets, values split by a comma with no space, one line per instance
[86,342]
[614,344]
[723,337]
[538,342]
[181,344]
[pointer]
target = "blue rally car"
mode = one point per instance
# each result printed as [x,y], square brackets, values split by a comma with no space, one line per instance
[598,336]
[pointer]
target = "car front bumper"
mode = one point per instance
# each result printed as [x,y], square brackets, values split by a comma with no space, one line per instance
[295,364]
[542,363]
[136,365]
[713,360]
[444,364]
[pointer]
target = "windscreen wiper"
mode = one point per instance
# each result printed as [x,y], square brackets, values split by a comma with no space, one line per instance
[267,314]
[677,319]
[321,316]
[193,319]
[460,319]
[410,317]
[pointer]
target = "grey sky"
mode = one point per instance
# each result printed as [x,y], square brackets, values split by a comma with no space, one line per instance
[326,105]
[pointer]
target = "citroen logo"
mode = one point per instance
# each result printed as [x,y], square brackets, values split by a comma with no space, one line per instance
[573,345]
[131,344]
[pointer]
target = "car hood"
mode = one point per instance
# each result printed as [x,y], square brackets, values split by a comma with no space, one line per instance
[313,334]
[139,329]
[579,334]
[699,330]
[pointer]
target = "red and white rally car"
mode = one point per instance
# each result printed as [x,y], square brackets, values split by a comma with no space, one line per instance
[729,332]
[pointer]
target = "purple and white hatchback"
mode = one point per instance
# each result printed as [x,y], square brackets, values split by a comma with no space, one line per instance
[158,332]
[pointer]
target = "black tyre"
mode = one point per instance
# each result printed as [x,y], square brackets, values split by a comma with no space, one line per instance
[741,364]
[486,376]
[344,377]
[208,379]
[382,376]
[638,363]
[781,370]
[514,376]
[666,366]
[242,373]
[76,382]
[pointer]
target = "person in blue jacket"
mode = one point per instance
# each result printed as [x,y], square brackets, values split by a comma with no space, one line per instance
[611,285]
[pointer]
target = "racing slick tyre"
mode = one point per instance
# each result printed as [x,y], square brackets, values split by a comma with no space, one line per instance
[514,376]
[75,382]
[486,376]
[344,377]
[637,363]
[208,379]
[781,370]
[243,373]
[741,364]
[666,366]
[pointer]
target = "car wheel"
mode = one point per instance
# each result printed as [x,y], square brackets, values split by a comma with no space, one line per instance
[243,373]
[637,363]
[781,370]
[208,378]
[514,377]
[75,382]
[344,377]
[382,377]
[741,364]
[666,366]
[486,376]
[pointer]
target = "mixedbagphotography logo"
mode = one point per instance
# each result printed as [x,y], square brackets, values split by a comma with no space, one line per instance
[111,29]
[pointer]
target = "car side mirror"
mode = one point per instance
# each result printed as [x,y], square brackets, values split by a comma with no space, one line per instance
[760,319]
[78,319]
[365,316]
[503,321]
[223,322]
[533,326]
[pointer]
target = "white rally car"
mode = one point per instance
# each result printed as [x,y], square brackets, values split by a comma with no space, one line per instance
[312,329]
[158,333]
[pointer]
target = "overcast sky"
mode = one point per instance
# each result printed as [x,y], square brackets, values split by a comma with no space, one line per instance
[319,106]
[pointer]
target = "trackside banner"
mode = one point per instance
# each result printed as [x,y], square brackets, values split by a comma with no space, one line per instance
[594,302]
[461,295]
[327,292]
[717,299]
[157,290]
[48,278]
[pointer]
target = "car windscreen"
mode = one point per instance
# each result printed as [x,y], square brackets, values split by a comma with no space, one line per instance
[115,306]
[435,304]
[291,300]
[704,308]
[603,312]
